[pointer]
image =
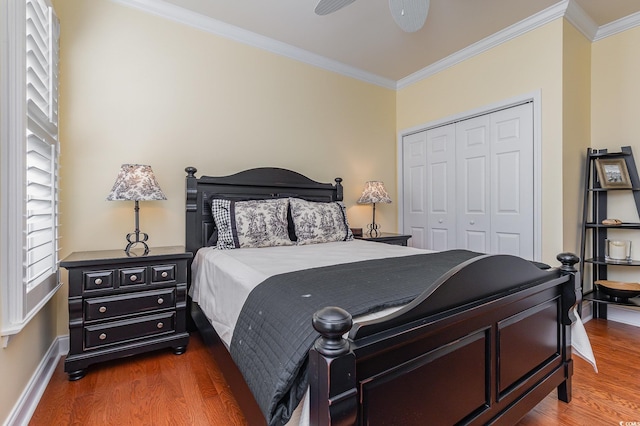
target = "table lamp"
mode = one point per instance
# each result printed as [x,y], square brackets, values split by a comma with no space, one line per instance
[136,182]
[374,192]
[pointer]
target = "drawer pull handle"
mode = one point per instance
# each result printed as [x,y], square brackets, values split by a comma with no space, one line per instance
[160,300]
[102,336]
[164,274]
[102,309]
[98,281]
[133,277]
[160,325]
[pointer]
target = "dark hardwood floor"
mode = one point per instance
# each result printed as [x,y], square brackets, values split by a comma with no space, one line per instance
[165,389]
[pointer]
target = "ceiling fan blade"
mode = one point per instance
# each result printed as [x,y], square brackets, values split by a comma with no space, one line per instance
[410,15]
[326,7]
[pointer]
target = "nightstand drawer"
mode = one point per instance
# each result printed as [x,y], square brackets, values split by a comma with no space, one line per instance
[133,276]
[163,273]
[96,280]
[127,304]
[136,328]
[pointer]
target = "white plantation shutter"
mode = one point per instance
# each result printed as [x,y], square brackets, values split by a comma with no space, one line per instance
[42,33]
[30,184]
[41,209]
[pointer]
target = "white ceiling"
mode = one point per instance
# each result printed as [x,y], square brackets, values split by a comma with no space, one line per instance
[363,36]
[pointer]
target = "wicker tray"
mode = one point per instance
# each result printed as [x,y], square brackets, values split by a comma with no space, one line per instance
[619,289]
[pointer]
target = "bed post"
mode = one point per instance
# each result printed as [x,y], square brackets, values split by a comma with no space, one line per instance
[332,371]
[191,204]
[191,222]
[339,189]
[571,296]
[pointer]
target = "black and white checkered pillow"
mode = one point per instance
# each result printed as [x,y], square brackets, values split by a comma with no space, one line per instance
[221,210]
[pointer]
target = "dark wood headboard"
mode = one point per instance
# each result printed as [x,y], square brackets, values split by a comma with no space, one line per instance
[259,183]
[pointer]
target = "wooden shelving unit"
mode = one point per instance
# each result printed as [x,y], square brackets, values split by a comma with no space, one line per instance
[594,233]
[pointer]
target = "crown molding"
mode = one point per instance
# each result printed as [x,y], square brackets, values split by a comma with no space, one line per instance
[535,21]
[618,26]
[581,20]
[196,20]
[568,9]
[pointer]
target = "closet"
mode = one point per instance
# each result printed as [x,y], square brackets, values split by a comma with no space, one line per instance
[469,184]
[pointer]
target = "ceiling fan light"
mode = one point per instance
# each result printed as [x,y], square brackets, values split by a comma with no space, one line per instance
[410,15]
[326,7]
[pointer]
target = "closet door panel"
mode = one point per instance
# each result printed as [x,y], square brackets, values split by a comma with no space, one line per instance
[472,191]
[441,201]
[414,162]
[512,181]
[507,243]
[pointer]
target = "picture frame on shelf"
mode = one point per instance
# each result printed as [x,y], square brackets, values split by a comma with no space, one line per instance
[613,173]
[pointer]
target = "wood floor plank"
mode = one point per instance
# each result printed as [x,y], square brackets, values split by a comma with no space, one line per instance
[189,389]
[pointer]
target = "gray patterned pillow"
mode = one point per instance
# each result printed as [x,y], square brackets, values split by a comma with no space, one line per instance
[252,223]
[316,222]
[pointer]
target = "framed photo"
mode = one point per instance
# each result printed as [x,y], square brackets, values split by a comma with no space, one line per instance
[613,173]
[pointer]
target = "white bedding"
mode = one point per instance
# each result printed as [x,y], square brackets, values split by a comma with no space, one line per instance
[223,279]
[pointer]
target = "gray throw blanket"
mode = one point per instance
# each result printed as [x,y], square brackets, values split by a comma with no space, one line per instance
[274,333]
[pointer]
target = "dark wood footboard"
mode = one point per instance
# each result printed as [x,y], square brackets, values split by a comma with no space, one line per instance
[489,361]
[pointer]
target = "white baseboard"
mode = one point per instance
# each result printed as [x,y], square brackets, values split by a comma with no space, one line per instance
[26,405]
[587,311]
[618,313]
[624,314]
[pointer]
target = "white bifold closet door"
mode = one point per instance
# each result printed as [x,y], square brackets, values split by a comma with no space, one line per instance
[470,184]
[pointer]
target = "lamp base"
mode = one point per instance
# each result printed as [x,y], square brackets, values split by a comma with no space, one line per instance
[372,229]
[133,242]
[136,234]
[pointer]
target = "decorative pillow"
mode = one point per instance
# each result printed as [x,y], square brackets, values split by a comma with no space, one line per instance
[317,222]
[251,223]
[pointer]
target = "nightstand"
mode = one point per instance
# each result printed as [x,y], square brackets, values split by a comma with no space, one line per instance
[386,237]
[123,305]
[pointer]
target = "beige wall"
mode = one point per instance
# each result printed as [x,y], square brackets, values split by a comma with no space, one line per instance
[576,137]
[526,64]
[615,117]
[137,88]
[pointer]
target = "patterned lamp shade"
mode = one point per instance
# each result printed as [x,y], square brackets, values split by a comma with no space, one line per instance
[136,182]
[374,192]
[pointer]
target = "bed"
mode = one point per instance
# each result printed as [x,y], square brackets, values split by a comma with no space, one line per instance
[483,341]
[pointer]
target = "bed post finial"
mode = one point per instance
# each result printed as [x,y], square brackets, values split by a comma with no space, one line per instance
[191,171]
[568,260]
[332,370]
[332,323]
[339,193]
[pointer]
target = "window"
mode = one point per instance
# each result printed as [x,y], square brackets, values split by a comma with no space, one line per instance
[29,160]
